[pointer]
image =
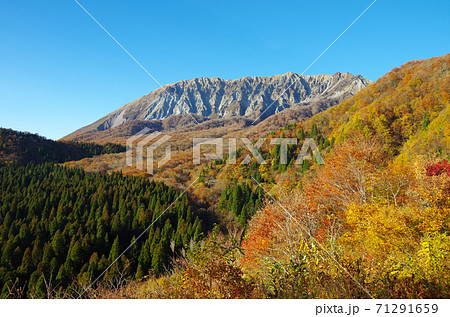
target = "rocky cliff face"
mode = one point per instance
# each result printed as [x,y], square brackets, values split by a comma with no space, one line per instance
[249,97]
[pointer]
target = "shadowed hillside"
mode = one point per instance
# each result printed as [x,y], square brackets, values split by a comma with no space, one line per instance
[23,148]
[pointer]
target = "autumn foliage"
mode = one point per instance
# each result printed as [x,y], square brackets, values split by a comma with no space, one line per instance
[372,222]
[438,169]
[385,224]
[408,105]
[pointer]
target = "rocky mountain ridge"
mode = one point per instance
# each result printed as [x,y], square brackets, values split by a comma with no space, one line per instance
[255,98]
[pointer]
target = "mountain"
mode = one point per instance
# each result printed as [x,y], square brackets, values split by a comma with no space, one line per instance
[407,109]
[381,214]
[215,98]
[22,148]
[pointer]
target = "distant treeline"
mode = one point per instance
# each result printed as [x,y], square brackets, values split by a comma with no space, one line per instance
[22,148]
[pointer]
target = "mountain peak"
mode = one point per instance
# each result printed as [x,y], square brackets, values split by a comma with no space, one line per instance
[254,98]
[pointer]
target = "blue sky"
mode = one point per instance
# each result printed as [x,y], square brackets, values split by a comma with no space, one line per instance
[59,71]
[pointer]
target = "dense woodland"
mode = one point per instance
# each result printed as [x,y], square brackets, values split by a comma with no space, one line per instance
[242,201]
[61,228]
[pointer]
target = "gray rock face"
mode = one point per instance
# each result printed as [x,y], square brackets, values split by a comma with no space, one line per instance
[250,97]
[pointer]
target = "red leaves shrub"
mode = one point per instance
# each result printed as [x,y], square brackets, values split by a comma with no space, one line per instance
[438,169]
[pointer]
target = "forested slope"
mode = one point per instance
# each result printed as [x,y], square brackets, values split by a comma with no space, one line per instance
[22,148]
[380,207]
[374,221]
[60,228]
[410,103]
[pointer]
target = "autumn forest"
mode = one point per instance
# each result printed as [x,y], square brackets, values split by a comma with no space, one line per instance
[372,222]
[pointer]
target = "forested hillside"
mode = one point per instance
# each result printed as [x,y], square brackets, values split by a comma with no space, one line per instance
[411,103]
[374,221]
[22,148]
[60,228]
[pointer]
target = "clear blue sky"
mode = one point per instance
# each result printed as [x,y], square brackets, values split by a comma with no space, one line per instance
[59,71]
